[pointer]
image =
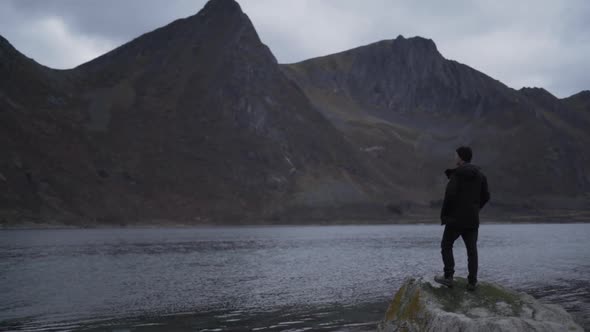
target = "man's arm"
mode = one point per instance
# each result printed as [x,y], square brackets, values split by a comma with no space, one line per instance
[449,172]
[452,188]
[450,194]
[484,195]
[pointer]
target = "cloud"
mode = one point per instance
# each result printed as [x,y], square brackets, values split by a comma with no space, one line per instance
[522,43]
[50,38]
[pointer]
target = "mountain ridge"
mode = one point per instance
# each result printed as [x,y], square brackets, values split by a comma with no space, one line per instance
[197,122]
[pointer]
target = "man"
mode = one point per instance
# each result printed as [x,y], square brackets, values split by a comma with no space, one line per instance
[466,193]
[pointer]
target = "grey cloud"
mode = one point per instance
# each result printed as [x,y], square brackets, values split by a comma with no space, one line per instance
[522,43]
[116,20]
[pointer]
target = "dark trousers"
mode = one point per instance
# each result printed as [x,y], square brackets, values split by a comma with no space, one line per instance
[469,236]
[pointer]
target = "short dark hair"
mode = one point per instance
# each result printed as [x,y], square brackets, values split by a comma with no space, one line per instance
[465,153]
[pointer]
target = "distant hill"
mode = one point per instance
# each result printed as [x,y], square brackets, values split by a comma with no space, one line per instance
[196,122]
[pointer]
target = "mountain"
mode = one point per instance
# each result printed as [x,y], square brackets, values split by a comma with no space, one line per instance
[404,76]
[196,122]
[404,97]
[193,122]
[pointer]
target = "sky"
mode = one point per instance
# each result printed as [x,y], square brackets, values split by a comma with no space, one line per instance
[523,43]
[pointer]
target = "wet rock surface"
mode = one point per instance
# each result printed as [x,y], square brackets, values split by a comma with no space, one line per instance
[420,305]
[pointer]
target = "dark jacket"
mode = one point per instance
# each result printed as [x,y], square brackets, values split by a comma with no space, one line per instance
[466,193]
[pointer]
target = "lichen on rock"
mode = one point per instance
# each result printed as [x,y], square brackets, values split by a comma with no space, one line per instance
[421,306]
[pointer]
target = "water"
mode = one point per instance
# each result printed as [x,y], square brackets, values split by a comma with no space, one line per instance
[263,278]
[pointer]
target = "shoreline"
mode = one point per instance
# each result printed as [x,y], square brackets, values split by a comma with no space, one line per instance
[48,226]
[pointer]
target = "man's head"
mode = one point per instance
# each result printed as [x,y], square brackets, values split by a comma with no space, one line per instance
[463,155]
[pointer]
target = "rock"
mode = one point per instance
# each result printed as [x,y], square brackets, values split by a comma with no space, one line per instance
[420,306]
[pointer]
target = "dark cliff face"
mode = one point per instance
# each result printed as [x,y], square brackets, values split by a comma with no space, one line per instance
[405,76]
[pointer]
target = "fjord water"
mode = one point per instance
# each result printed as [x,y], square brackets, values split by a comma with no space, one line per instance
[264,278]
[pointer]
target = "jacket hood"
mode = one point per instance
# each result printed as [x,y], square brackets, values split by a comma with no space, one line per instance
[468,171]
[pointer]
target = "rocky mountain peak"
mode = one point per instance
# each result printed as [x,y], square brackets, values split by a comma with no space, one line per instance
[542,97]
[222,6]
[217,28]
[538,92]
[226,12]
[224,18]
[417,43]
[401,47]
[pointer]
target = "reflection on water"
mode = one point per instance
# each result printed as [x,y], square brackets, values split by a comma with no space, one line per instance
[263,278]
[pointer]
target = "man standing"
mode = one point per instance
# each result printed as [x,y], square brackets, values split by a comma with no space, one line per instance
[466,193]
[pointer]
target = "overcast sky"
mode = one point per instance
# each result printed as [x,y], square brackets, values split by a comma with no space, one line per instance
[521,43]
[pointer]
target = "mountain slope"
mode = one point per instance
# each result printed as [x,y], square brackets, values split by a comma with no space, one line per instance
[404,97]
[192,122]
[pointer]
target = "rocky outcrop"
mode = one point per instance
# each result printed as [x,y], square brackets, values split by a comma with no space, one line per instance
[420,306]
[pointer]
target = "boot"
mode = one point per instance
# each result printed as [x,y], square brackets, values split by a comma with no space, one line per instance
[447,281]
